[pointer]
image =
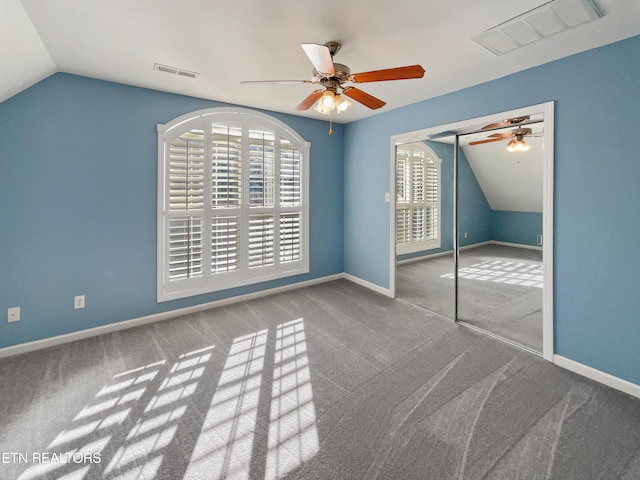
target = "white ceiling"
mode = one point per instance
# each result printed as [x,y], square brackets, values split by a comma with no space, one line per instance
[227,41]
[510,181]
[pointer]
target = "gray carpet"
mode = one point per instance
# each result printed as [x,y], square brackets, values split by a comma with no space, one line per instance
[428,284]
[328,382]
[500,290]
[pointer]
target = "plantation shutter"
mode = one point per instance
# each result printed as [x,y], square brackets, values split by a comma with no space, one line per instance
[262,168]
[226,165]
[261,236]
[225,244]
[232,203]
[417,198]
[290,227]
[226,197]
[432,189]
[186,199]
[291,200]
[403,225]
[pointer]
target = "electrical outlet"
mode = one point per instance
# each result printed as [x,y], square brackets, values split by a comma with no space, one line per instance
[13,314]
[78,302]
[466,234]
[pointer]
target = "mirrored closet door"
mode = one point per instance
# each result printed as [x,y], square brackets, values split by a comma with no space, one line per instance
[473,203]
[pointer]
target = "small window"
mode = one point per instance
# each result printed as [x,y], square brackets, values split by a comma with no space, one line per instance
[232,202]
[417,198]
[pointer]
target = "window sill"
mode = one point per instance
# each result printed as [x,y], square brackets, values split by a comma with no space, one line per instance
[405,248]
[222,283]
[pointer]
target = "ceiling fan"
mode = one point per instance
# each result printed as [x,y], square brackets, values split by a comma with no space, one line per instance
[333,76]
[507,123]
[516,136]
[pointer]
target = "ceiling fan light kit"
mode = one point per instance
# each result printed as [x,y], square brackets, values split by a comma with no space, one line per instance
[330,101]
[342,103]
[332,77]
[516,136]
[518,145]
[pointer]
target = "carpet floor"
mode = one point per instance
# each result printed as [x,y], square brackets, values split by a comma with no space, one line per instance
[500,290]
[332,381]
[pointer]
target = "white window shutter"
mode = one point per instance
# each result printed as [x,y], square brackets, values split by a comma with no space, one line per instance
[290,175]
[261,239]
[417,198]
[185,248]
[262,168]
[225,244]
[290,237]
[232,202]
[226,165]
[186,171]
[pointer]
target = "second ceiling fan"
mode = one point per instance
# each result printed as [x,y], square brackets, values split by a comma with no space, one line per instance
[516,139]
[333,77]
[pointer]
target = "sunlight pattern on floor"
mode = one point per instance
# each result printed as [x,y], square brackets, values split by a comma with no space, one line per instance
[224,447]
[112,405]
[293,437]
[515,273]
[133,421]
[141,454]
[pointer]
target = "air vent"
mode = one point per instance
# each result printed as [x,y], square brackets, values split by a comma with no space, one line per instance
[541,22]
[174,70]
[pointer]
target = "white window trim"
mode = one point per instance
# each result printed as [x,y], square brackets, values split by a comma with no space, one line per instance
[413,247]
[231,279]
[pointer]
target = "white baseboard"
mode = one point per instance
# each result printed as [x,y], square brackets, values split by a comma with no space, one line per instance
[371,286]
[156,317]
[597,375]
[516,245]
[475,245]
[424,257]
[467,247]
[441,254]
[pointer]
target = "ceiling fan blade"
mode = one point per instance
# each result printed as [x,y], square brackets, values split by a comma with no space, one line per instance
[488,140]
[257,82]
[495,125]
[320,57]
[399,73]
[363,98]
[501,135]
[312,98]
[506,123]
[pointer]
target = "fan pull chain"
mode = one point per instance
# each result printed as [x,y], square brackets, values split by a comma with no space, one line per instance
[330,124]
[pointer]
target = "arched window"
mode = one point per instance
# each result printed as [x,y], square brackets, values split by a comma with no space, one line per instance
[417,198]
[232,202]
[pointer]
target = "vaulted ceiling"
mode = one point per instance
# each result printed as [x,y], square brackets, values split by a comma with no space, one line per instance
[227,41]
[510,181]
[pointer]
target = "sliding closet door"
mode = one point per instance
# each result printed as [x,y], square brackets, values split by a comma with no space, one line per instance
[424,225]
[499,274]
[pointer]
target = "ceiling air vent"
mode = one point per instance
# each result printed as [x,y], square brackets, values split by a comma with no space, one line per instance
[174,70]
[541,22]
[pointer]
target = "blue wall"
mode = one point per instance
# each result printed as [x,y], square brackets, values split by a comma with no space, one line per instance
[78,199]
[474,210]
[78,204]
[597,173]
[516,227]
